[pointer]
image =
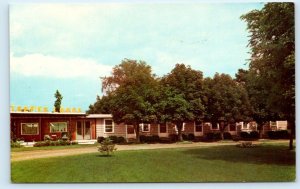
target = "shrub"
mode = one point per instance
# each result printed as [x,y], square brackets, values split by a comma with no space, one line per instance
[107,147]
[213,136]
[121,140]
[114,139]
[254,135]
[155,138]
[245,135]
[100,139]
[184,137]
[143,138]
[47,137]
[227,136]
[191,137]
[173,137]
[15,144]
[246,144]
[280,134]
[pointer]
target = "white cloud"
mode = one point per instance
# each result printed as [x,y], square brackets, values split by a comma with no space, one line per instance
[49,66]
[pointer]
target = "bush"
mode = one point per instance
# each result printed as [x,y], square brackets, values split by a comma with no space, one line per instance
[245,135]
[254,135]
[191,137]
[47,137]
[227,136]
[173,137]
[107,147]
[121,140]
[155,138]
[247,144]
[54,143]
[15,144]
[143,138]
[100,139]
[184,136]
[280,134]
[213,136]
[114,139]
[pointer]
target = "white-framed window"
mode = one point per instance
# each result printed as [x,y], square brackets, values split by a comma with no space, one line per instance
[145,127]
[198,126]
[215,126]
[108,126]
[244,125]
[163,128]
[182,129]
[56,127]
[29,128]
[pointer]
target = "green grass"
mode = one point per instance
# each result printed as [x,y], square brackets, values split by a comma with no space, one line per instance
[203,164]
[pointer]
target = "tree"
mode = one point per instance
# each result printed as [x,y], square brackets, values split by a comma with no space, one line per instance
[132,92]
[272,43]
[181,97]
[101,106]
[226,101]
[57,102]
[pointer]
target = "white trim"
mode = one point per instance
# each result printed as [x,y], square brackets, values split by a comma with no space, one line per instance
[166,134]
[183,127]
[143,124]
[112,124]
[211,127]
[31,124]
[58,123]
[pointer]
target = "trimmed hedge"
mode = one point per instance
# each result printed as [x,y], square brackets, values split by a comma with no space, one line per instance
[227,136]
[114,139]
[249,136]
[281,134]
[54,143]
[213,136]
[149,139]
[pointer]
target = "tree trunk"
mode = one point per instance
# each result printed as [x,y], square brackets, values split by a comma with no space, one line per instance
[291,124]
[179,129]
[137,132]
[222,135]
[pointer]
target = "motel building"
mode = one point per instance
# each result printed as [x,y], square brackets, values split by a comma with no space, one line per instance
[32,124]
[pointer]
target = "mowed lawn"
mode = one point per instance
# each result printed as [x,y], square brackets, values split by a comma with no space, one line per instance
[203,164]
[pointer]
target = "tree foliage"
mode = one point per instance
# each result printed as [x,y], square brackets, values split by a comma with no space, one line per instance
[58,100]
[131,93]
[181,96]
[272,64]
[226,101]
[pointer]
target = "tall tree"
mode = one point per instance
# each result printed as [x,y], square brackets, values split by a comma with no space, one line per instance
[131,91]
[182,96]
[58,100]
[226,101]
[101,106]
[272,43]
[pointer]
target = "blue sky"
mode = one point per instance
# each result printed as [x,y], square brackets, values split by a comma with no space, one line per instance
[68,47]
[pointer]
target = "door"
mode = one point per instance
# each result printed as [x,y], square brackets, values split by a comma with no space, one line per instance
[83,130]
[79,128]
[87,130]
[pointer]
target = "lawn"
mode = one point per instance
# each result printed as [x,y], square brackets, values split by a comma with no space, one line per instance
[203,164]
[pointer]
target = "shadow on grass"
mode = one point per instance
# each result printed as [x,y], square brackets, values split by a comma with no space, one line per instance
[262,154]
[104,156]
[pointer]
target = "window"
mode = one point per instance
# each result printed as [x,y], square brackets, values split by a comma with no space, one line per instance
[145,127]
[198,126]
[130,129]
[215,126]
[245,125]
[163,128]
[232,127]
[108,125]
[29,128]
[58,127]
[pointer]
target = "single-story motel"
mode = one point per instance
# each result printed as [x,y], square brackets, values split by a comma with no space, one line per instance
[32,124]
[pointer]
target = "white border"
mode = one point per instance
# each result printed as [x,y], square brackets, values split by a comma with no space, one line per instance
[4,113]
[113,126]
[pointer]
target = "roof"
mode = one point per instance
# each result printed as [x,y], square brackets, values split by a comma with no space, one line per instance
[99,116]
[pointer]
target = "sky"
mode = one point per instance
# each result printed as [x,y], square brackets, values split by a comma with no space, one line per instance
[68,47]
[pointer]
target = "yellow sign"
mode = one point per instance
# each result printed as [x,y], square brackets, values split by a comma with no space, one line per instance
[42,109]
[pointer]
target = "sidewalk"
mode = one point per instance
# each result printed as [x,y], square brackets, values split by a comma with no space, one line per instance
[27,155]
